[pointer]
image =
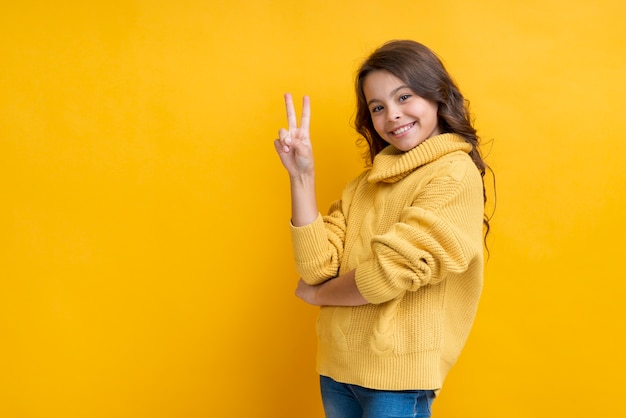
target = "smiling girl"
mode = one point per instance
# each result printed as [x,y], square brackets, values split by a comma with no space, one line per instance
[397,263]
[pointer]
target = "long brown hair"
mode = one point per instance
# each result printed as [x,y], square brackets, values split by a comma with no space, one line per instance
[425,74]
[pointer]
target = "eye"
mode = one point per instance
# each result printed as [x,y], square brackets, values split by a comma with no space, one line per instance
[376,109]
[404,97]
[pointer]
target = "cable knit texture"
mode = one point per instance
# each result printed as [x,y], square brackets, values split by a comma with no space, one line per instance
[411,226]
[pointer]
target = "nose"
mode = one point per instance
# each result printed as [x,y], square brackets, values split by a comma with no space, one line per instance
[394,113]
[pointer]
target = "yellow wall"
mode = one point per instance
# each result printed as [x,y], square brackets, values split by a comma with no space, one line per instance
[145,262]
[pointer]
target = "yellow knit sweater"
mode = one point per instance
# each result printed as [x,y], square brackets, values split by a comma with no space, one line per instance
[411,226]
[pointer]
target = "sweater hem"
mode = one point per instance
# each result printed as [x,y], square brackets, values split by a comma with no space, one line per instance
[414,371]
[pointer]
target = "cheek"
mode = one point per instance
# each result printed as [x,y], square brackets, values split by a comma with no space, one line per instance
[431,111]
[379,125]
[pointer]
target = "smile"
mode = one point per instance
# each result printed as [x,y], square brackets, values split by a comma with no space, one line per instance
[403,129]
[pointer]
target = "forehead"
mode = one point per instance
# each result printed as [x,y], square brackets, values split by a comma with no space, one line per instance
[381,84]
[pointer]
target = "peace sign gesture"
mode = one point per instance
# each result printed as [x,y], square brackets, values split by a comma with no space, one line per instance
[294,144]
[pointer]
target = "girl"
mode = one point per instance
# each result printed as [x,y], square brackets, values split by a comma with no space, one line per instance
[397,264]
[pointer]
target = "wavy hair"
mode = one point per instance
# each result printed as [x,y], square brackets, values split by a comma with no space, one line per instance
[424,73]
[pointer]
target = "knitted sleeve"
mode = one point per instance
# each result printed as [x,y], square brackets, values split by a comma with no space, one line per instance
[440,233]
[318,247]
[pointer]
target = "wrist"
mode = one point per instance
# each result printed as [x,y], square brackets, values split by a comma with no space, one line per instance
[303,199]
[303,179]
[317,295]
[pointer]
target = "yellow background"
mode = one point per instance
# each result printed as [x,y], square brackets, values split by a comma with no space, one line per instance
[145,261]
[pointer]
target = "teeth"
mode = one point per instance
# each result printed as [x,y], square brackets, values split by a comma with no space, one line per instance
[402,130]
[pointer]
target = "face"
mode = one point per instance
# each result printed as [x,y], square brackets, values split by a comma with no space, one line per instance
[401,117]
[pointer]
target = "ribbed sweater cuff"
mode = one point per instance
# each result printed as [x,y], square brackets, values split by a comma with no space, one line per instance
[368,281]
[309,240]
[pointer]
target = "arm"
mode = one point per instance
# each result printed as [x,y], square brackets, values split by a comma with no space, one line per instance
[340,291]
[320,249]
[439,236]
[294,149]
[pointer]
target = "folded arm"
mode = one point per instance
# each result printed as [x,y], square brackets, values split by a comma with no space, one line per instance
[340,291]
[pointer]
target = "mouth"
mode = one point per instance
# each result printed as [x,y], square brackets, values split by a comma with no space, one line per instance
[403,129]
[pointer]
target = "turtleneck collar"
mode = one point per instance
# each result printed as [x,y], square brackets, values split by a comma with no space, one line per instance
[391,165]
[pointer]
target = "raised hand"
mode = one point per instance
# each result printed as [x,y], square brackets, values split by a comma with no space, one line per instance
[294,149]
[294,144]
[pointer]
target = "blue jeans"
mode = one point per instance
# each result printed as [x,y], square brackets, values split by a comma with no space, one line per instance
[350,401]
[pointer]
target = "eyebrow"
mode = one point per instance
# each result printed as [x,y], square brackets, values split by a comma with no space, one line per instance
[393,92]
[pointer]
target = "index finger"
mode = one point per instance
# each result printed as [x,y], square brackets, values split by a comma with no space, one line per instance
[291,113]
